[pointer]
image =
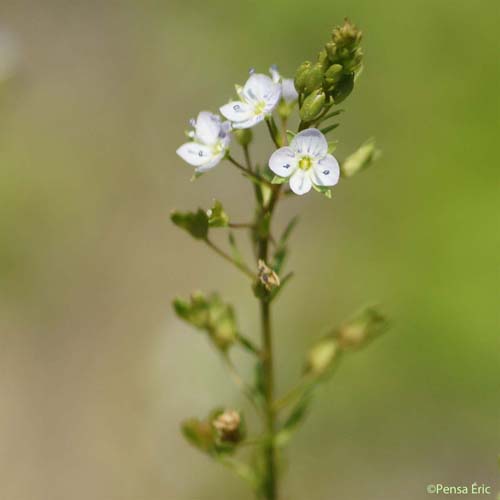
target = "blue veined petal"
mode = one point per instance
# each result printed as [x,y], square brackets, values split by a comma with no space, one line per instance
[310,142]
[326,172]
[283,162]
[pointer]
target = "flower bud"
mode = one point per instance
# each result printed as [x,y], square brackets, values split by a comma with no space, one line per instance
[360,159]
[228,426]
[267,276]
[314,78]
[312,105]
[322,356]
[346,36]
[331,50]
[243,136]
[323,59]
[362,329]
[333,74]
[352,63]
[300,76]
[343,88]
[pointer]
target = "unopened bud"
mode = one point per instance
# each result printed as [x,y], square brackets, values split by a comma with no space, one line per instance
[362,329]
[352,63]
[347,35]
[323,59]
[343,88]
[314,78]
[331,50]
[333,74]
[360,159]
[267,276]
[300,76]
[312,105]
[243,136]
[228,426]
[321,357]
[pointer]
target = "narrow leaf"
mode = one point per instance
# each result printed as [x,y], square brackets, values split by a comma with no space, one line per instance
[325,130]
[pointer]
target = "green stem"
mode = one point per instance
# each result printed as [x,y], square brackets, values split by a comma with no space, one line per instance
[273,131]
[241,225]
[238,380]
[248,160]
[242,267]
[248,172]
[270,489]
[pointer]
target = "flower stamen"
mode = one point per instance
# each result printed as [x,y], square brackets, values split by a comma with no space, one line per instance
[305,163]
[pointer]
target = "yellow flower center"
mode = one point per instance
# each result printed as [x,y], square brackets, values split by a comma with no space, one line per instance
[305,163]
[260,107]
[218,148]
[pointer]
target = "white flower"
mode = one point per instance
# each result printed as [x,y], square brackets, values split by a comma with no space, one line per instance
[306,162]
[210,142]
[288,91]
[258,98]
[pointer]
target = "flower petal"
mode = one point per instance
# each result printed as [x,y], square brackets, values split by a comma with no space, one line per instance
[326,172]
[195,154]
[207,127]
[253,120]
[283,162]
[211,163]
[300,182]
[275,74]
[311,142]
[237,111]
[288,91]
[261,88]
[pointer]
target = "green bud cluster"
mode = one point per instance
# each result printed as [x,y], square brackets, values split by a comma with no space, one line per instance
[330,79]
[211,314]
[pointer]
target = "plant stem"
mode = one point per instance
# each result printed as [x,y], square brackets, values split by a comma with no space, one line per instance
[224,255]
[270,490]
[273,130]
[241,225]
[248,172]
[248,160]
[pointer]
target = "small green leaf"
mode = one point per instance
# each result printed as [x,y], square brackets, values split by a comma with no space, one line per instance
[200,434]
[325,130]
[278,290]
[288,230]
[323,190]
[281,251]
[217,217]
[278,180]
[292,423]
[290,135]
[235,252]
[332,114]
[195,223]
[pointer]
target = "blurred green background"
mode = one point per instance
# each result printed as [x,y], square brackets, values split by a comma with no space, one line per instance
[96,372]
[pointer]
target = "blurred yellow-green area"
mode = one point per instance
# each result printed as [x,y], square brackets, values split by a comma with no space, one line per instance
[96,372]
